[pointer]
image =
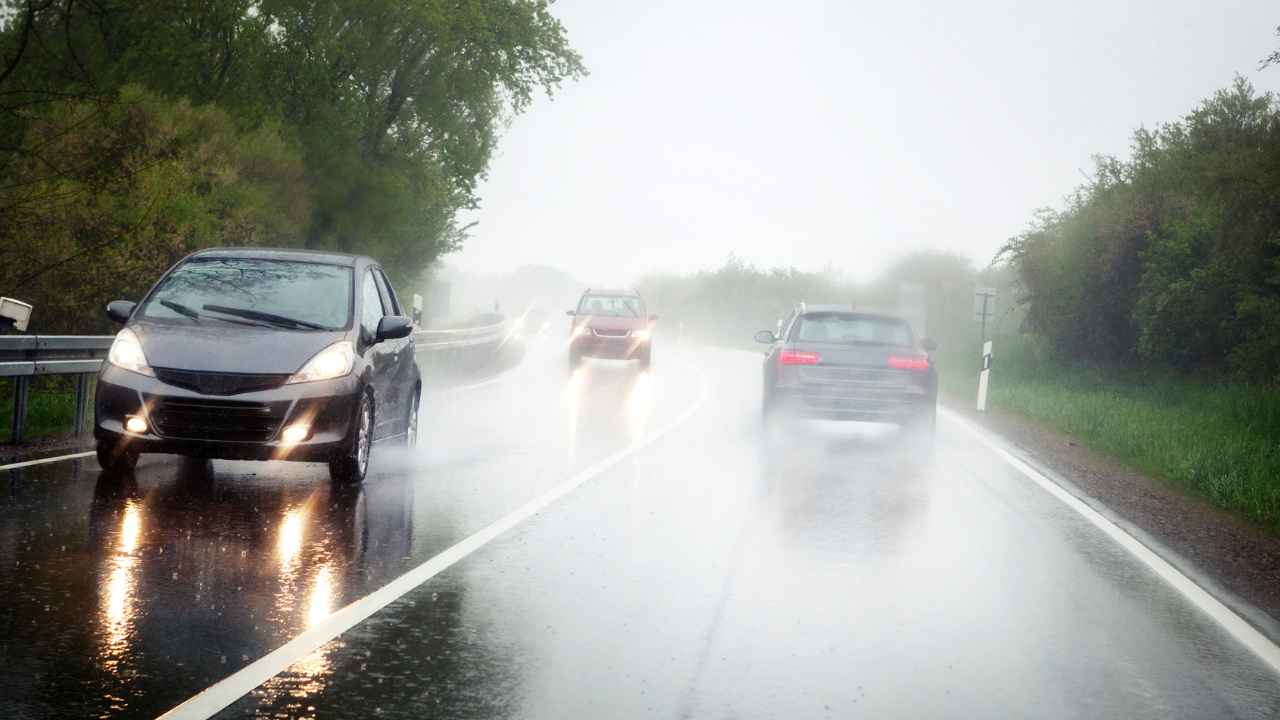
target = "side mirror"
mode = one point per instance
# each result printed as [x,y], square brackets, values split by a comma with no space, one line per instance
[121,310]
[393,327]
[570,313]
[929,344]
[766,337]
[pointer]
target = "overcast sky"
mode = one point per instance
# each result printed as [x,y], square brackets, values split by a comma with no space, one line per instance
[807,133]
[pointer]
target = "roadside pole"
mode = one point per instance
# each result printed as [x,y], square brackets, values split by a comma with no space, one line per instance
[984,306]
[982,377]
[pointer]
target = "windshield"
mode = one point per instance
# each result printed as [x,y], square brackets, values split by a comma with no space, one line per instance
[842,328]
[611,306]
[254,291]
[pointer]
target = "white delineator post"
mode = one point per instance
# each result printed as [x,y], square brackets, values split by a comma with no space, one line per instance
[982,377]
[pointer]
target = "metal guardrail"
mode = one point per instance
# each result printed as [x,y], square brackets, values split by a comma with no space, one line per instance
[25,356]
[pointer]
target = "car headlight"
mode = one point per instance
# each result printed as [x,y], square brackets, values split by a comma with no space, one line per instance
[331,362]
[642,334]
[126,353]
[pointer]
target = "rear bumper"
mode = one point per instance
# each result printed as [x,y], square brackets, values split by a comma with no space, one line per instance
[328,407]
[821,404]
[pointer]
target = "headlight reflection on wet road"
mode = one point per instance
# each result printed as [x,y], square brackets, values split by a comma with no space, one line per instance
[119,606]
[639,405]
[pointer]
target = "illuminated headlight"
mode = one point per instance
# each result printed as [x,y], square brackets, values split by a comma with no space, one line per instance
[135,424]
[579,331]
[331,362]
[126,353]
[295,434]
[640,335]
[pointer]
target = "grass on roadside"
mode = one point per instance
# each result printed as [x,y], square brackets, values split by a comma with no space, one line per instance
[1219,440]
[50,408]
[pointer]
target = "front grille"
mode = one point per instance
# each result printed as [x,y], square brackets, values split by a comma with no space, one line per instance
[609,332]
[211,383]
[194,419]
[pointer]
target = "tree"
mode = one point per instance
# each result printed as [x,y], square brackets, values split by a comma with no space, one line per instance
[392,106]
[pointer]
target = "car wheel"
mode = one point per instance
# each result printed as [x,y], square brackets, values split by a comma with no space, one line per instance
[411,425]
[351,466]
[115,457]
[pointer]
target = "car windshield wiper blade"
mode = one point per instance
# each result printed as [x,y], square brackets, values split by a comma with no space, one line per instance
[181,309]
[264,317]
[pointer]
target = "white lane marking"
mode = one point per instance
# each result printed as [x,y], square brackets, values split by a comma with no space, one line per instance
[505,374]
[41,461]
[1246,634]
[218,696]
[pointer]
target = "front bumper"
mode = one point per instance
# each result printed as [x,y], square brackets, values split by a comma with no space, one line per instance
[609,348]
[244,426]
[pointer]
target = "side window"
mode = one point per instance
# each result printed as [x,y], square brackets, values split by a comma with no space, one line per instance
[389,300]
[371,311]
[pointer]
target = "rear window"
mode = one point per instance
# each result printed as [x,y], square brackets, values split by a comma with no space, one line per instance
[312,293]
[841,328]
[628,306]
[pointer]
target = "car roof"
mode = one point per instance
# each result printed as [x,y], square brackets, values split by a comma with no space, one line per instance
[847,310]
[830,307]
[606,291]
[317,256]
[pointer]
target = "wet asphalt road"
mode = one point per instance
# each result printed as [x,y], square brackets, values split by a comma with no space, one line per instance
[719,572]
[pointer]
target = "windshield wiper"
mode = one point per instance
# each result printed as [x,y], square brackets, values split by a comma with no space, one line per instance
[264,317]
[181,309]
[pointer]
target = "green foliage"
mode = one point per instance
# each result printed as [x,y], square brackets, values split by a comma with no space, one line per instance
[357,126]
[1168,258]
[140,181]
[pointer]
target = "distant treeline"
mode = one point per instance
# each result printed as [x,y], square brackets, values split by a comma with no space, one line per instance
[1170,258]
[132,133]
[728,304]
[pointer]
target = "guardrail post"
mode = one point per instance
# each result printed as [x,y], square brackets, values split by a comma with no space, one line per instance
[82,402]
[21,389]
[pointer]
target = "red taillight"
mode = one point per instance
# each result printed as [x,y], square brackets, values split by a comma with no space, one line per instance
[918,363]
[798,357]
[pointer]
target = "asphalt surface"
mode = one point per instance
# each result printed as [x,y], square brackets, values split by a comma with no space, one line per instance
[717,571]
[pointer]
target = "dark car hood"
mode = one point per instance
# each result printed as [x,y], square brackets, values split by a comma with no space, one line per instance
[217,347]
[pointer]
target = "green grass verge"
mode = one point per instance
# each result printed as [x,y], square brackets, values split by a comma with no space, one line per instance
[50,408]
[1218,440]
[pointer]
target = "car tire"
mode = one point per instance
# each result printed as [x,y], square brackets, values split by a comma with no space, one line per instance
[115,457]
[351,465]
[411,422]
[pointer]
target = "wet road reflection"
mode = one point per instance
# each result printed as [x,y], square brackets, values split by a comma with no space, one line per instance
[723,571]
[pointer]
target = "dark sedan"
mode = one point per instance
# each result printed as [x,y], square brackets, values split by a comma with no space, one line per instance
[837,364]
[260,354]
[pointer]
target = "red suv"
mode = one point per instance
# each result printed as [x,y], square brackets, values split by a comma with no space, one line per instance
[611,324]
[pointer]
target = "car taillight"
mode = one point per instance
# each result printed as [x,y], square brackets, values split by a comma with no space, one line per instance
[798,357]
[917,363]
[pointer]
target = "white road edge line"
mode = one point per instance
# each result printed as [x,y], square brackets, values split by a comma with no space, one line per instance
[1246,634]
[41,461]
[223,693]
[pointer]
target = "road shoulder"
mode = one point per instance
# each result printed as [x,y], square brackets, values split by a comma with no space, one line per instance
[1234,559]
